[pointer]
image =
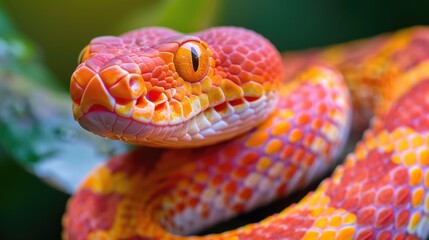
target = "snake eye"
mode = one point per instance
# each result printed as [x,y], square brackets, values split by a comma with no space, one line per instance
[192,61]
[84,54]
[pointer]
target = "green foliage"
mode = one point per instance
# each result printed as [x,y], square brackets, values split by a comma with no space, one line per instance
[181,15]
[36,124]
[37,129]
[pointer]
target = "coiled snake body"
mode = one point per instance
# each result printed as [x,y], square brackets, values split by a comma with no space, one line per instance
[157,87]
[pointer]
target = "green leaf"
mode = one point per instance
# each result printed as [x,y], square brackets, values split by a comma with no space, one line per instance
[37,129]
[36,123]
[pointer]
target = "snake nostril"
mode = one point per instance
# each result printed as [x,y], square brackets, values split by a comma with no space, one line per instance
[136,84]
[129,87]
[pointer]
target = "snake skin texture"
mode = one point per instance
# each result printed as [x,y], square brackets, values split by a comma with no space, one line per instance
[380,191]
[141,88]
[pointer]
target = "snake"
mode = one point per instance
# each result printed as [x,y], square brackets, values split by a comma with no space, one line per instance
[227,124]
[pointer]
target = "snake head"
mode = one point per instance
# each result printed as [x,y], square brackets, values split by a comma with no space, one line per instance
[157,87]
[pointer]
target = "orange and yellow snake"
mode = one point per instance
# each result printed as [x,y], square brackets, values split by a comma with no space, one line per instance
[238,125]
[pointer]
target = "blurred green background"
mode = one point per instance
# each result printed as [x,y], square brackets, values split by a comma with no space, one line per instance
[29,209]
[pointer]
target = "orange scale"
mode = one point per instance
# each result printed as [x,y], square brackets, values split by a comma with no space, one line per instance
[287,152]
[229,188]
[238,208]
[197,189]
[346,232]
[216,180]
[82,76]
[161,113]
[231,151]
[249,159]
[400,177]
[424,157]
[289,172]
[193,202]
[321,108]
[182,194]
[385,196]
[415,176]
[201,177]
[248,65]
[245,76]
[410,158]
[225,167]
[234,69]
[401,236]
[281,128]
[273,146]
[414,220]
[367,199]
[353,190]
[384,235]
[76,91]
[327,149]
[332,112]
[210,160]
[366,217]
[402,218]
[317,124]
[335,221]
[298,156]
[170,214]
[417,141]
[385,217]
[309,160]
[263,164]
[186,107]
[245,194]
[176,112]
[183,184]
[240,173]
[180,207]
[257,139]
[205,210]
[267,124]
[417,197]
[281,190]
[403,197]
[308,140]
[226,200]
[402,145]
[303,119]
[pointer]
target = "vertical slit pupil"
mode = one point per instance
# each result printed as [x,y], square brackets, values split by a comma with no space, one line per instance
[195,59]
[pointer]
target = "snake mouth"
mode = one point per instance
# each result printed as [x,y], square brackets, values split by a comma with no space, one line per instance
[107,108]
[154,117]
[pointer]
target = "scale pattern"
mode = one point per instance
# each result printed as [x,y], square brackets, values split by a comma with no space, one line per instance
[129,88]
[381,191]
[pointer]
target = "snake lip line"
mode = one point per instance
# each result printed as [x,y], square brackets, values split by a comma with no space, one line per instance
[114,125]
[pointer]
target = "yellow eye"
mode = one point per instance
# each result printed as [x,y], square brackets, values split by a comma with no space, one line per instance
[84,54]
[192,61]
